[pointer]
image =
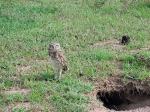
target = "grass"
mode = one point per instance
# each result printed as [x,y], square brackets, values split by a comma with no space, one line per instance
[28,26]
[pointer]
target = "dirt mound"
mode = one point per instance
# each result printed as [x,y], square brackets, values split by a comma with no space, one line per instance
[25,106]
[17,90]
[113,44]
[117,94]
[116,45]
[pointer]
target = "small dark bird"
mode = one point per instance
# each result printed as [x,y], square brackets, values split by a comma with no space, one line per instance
[125,40]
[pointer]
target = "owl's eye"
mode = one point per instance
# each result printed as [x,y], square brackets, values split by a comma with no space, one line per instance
[51,46]
[57,45]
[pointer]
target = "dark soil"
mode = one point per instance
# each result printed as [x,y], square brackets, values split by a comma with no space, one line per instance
[119,94]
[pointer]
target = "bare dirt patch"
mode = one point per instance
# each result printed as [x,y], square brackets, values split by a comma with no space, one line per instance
[118,67]
[23,69]
[116,45]
[24,105]
[134,51]
[31,65]
[113,44]
[115,94]
[94,104]
[17,90]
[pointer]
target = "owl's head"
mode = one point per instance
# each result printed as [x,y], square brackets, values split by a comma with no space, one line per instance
[53,47]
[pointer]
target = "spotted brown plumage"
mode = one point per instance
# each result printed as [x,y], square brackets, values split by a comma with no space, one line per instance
[58,60]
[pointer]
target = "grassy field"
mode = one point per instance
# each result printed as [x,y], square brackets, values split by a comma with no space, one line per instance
[83,28]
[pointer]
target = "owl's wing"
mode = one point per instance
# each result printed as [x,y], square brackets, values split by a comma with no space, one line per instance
[62,59]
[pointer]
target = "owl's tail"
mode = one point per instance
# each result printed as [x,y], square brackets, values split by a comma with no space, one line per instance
[65,68]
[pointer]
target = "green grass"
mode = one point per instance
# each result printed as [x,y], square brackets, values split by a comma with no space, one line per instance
[15,98]
[28,26]
[19,110]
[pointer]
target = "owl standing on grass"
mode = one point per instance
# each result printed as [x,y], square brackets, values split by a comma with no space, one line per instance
[58,60]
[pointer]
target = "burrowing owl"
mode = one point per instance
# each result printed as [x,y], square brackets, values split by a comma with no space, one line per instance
[58,59]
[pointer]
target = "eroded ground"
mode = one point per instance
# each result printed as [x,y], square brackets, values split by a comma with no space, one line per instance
[116,94]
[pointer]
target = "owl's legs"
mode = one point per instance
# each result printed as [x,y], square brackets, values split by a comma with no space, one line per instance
[55,74]
[58,74]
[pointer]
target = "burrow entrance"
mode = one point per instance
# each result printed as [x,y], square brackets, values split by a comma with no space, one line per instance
[120,95]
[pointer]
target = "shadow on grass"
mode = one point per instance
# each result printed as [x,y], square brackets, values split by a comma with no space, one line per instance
[45,76]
